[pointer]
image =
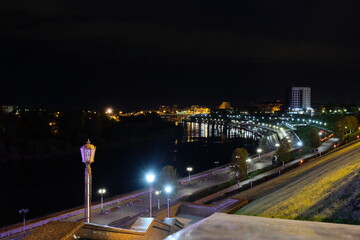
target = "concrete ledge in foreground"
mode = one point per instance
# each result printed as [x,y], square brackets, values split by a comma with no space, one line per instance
[227,226]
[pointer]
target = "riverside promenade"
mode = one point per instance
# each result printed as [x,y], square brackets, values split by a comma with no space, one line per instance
[136,204]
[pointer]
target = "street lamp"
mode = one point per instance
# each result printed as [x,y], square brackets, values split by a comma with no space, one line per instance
[259,150]
[23,212]
[189,169]
[150,179]
[87,155]
[109,111]
[168,190]
[216,163]
[157,193]
[102,191]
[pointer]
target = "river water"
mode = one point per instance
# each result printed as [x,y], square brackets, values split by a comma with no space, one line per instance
[49,185]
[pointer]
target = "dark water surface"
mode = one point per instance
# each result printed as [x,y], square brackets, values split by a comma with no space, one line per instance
[53,184]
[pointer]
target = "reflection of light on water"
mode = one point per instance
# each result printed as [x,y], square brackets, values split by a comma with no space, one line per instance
[189,131]
[206,130]
[206,127]
[197,130]
[202,129]
[215,132]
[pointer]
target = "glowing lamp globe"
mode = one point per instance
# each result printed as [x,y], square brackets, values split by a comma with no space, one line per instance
[168,189]
[88,153]
[150,177]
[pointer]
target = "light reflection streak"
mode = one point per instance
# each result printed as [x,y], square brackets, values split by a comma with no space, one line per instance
[202,130]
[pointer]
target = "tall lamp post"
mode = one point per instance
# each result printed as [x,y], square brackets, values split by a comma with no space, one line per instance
[87,155]
[150,179]
[102,191]
[168,190]
[189,169]
[157,193]
[23,212]
[277,145]
[216,163]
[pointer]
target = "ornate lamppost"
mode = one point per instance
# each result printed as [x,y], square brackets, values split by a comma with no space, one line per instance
[87,155]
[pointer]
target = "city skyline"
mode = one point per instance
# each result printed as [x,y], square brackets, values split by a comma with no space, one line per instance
[242,107]
[141,55]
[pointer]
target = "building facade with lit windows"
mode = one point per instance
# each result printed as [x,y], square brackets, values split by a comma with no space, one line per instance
[300,99]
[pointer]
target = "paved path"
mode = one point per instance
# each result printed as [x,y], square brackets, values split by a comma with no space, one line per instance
[324,147]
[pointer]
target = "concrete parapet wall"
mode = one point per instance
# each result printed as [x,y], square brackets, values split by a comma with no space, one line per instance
[241,227]
[203,210]
[142,229]
[199,210]
[237,206]
[206,173]
[163,212]
[175,224]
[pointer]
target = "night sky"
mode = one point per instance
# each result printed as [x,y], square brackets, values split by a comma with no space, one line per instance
[141,54]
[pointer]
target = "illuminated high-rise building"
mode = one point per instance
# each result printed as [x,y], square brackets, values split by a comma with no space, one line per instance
[300,99]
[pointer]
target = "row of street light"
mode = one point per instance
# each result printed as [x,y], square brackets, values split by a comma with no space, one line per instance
[88,154]
[150,178]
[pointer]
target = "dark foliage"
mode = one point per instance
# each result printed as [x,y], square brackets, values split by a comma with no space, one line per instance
[36,134]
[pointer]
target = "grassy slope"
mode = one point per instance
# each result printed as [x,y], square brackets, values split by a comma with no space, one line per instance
[326,192]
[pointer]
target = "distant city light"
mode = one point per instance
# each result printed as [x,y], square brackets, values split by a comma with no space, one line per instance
[109,111]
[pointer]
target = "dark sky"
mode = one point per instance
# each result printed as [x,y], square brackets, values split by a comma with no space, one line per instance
[141,54]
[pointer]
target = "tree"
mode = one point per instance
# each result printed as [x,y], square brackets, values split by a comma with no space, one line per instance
[346,125]
[353,123]
[283,152]
[168,176]
[339,129]
[238,166]
[314,138]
